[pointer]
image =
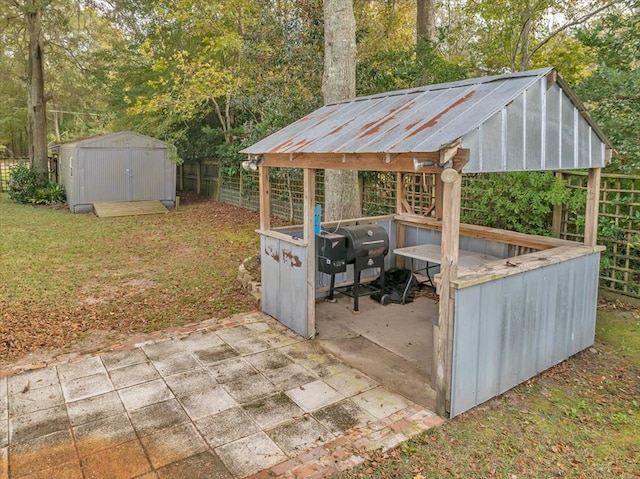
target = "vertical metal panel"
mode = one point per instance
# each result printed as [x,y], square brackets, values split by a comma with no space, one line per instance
[284,285]
[293,287]
[103,173]
[270,267]
[547,307]
[488,360]
[147,175]
[515,139]
[500,250]
[567,147]
[492,143]
[522,324]
[552,128]
[584,143]
[466,362]
[597,150]
[535,119]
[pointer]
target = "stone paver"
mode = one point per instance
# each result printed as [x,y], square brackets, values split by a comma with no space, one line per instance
[220,399]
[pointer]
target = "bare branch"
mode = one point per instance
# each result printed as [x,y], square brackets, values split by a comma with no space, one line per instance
[564,27]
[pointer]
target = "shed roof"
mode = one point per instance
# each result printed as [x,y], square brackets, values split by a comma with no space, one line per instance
[119,138]
[522,121]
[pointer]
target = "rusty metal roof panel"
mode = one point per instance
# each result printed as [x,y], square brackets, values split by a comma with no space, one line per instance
[479,111]
[399,121]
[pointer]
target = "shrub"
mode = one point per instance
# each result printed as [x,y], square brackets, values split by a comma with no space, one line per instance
[52,193]
[28,184]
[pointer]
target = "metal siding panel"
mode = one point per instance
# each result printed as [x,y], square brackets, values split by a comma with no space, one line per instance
[567,150]
[548,314]
[465,363]
[471,142]
[476,244]
[293,287]
[489,354]
[590,298]
[515,154]
[147,175]
[511,340]
[584,143]
[552,128]
[500,250]
[491,143]
[104,174]
[597,151]
[270,267]
[526,324]
[390,228]
[535,120]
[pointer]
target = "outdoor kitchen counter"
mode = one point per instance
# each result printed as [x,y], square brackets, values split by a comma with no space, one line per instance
[491,271]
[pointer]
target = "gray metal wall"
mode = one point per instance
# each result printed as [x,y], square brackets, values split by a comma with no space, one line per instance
[508,330]
[539,130]
[284,282]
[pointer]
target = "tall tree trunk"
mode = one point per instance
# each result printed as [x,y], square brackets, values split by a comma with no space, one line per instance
[426,20]
[341,192]
[37,113]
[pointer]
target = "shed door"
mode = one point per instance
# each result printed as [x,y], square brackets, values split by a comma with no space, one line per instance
[147,175]
[105,174]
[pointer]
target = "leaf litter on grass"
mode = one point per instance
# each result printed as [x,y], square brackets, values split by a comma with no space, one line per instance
[74,275]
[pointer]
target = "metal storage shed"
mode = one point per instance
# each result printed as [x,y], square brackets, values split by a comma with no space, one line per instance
[501,322]
[123,166]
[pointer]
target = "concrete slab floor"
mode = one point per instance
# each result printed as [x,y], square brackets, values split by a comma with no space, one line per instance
[219,399]
[392,344]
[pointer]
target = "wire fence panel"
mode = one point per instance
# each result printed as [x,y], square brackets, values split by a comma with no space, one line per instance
[618,229]
[5,169]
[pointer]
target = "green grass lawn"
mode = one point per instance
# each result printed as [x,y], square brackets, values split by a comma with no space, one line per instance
[64,275]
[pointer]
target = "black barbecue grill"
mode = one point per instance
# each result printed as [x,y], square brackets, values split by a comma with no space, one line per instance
[363,246]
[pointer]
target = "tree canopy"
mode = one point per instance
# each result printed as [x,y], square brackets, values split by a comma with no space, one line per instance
[212,76]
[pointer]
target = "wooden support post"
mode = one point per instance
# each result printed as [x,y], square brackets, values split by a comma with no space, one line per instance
[309,180]
[556,224]
[265,197]
[400,208]
[400,194]
[452,182]
[439,186]
[591,214]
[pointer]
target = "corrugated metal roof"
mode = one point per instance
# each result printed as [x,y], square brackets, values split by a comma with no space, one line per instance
[113,139]
[417,120]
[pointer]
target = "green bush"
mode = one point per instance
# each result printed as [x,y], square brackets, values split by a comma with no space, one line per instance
[52,193]
[31,185]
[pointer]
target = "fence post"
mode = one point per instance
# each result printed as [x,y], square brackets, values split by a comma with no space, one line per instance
[556,224]
[198,177]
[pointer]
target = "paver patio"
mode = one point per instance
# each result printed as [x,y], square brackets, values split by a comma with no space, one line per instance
[220,399]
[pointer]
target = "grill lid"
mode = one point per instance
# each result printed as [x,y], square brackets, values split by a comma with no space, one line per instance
[365,240]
